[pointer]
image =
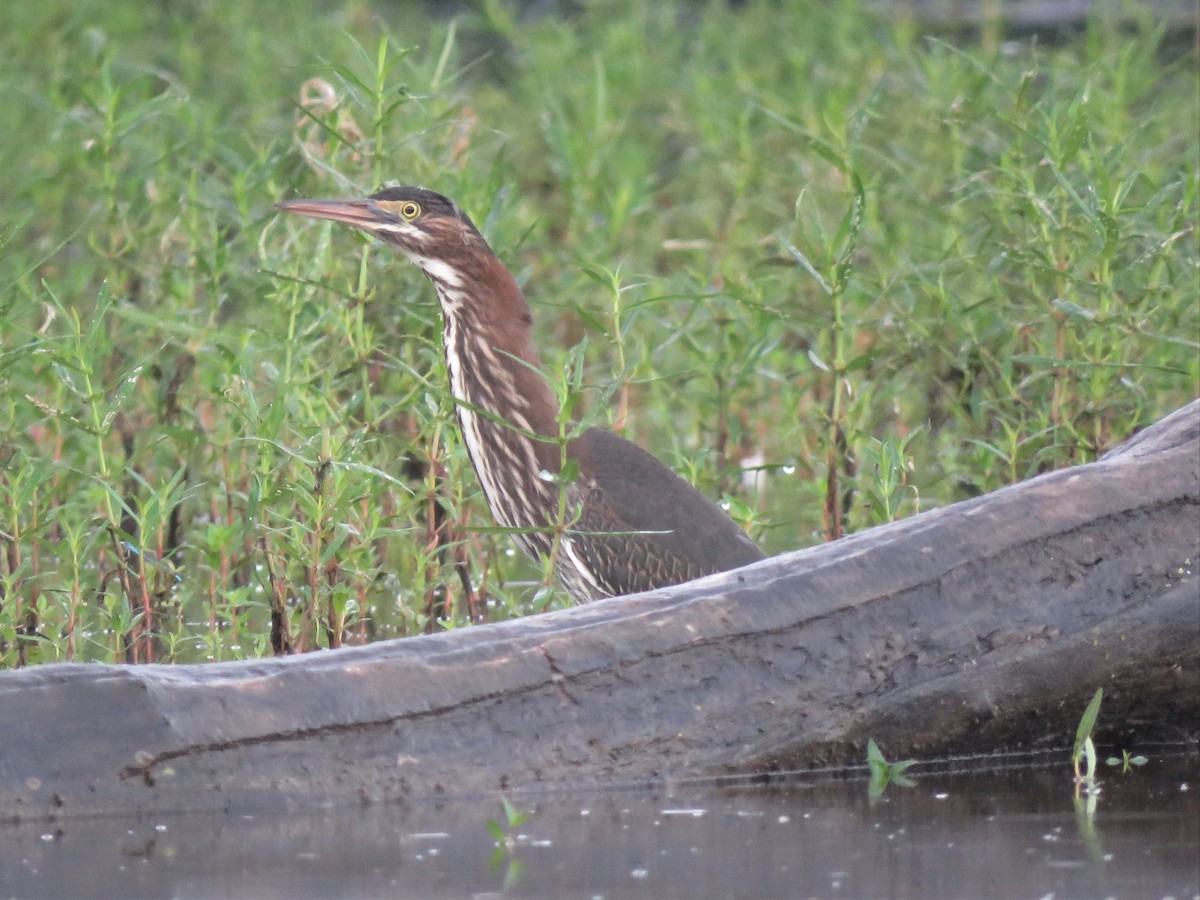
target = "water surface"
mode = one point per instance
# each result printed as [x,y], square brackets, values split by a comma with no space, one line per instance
[1001,832]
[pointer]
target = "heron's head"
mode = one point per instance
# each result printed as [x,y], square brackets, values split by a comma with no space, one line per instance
[429,229]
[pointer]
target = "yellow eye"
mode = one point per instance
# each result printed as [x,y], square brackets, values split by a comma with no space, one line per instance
[410,210]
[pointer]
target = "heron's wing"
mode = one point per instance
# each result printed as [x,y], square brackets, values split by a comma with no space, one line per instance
[670,532]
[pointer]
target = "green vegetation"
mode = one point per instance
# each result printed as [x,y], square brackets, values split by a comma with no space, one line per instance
[1127,761]
[884,773]
[888,271]
[1084,750]
[506,838]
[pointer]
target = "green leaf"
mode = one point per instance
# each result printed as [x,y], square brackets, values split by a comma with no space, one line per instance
[495,829]
[1087,723]
[795,253]
[514,816]
[1067,308]
[874,754]
[878,766]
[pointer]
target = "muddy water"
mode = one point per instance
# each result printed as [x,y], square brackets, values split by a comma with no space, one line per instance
[999,832]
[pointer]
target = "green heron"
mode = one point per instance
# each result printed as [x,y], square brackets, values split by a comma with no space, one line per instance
[629,523]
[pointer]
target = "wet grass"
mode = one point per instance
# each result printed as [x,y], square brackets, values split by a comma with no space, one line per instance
[833,269]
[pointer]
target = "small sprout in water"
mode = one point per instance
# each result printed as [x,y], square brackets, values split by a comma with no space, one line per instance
[883,772]
[1084,748]
[502,833]
[1126,761]
[506,842]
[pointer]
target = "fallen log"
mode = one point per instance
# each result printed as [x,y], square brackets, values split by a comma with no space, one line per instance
[981,626]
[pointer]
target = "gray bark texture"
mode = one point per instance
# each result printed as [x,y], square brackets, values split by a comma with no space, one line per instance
[982,626]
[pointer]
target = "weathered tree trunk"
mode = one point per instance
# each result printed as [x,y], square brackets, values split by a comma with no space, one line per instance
[981,626]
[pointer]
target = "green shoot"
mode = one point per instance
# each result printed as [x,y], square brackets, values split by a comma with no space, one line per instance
[884,773]
[1084,750]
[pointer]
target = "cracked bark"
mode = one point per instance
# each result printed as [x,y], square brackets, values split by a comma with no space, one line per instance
[983,626]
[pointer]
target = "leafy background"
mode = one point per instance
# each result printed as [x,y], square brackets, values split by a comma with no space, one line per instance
[834,265]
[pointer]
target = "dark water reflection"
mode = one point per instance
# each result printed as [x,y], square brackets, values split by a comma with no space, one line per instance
[1010,833]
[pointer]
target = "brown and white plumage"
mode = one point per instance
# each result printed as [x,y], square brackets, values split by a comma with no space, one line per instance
[631,524]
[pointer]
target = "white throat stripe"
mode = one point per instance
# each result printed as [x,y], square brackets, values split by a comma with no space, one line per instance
[439,271]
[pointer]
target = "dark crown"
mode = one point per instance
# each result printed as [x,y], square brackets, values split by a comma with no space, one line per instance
[433,204]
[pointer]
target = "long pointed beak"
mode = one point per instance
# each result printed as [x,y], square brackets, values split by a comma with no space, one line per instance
[359,213]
